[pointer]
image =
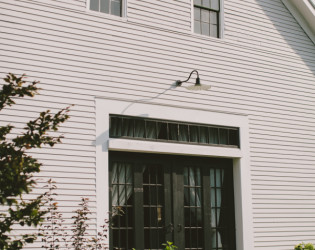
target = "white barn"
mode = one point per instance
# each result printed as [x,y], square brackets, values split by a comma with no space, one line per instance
[231,167]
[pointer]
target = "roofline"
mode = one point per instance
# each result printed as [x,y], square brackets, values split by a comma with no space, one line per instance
[304,13]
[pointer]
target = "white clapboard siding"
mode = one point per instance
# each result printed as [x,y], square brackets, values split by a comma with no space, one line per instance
[264,67]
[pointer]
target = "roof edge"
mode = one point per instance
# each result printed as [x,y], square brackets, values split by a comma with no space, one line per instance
[304,13]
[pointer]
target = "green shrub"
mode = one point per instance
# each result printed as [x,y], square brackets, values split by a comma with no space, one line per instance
[302,246]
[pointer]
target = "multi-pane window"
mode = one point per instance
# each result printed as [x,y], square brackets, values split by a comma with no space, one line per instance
[113,7]
[159,198]
[206,17]
[171,131]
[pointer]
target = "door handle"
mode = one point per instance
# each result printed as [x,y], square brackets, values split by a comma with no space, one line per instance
[169,228]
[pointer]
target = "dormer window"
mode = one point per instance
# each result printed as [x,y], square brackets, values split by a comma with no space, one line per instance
[206,17]
[113,7]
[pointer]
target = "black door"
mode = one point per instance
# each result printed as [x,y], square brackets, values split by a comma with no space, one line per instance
[159,198]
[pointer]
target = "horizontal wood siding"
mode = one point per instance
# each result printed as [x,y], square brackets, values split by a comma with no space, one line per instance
[264,67]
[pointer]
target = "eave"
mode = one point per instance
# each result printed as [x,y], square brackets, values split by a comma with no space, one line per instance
[304,13]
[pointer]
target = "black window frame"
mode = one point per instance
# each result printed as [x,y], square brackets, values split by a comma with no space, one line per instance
[165,135]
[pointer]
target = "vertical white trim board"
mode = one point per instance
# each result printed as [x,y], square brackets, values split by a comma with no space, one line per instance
[242,185]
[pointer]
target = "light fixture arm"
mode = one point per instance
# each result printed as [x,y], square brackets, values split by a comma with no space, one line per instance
[179,83]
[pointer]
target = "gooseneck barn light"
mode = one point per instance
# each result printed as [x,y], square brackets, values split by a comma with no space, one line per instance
[197,86]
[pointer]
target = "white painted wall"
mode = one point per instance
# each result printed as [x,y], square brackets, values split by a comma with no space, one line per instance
[264,68]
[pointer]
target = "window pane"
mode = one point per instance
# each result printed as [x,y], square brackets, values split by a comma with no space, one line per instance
[206,3]
[183,132]
[197,2]
[205,16]
[205,29]
[116,7]
[115,126]
[94,4]
[223,136]
[197,14]
[194,133]
[128,127]
[197,27]
[173,131]
[213,17]
[151,129]
[214,31]
[105,6]
[213,135]
[215,4]
[233,137]
[139,128]
[162,130]
[204,135]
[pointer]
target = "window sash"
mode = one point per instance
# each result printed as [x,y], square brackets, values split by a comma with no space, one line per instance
[112,7]
[207,17]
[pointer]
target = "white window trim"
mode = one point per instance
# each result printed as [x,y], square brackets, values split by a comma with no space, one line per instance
[124,10]
[241,165]
[221,21]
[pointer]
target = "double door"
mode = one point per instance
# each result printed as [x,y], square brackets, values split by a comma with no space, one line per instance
[159,198]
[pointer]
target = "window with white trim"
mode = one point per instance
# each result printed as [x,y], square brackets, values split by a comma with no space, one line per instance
[207,17]
[113,7]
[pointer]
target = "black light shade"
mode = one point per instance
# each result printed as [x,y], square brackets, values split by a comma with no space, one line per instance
[197,86]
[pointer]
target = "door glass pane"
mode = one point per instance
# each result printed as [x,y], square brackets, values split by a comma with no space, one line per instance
[122,208]
[153,205]
[220,213]
[193,208]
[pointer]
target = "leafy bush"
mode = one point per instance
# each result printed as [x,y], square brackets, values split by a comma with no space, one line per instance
[302,246]
[17,167]
[56,235]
